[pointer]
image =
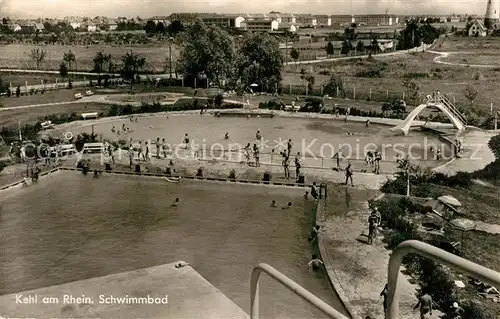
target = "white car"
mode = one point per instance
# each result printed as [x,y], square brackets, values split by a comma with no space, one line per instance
[78,96]
[89,93]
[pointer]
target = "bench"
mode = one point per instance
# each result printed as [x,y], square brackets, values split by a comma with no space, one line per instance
[93,115]
[93,148]
[78,96]
[46,125]
[66,149]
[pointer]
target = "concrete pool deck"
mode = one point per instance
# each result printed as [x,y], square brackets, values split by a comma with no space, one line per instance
[189,295]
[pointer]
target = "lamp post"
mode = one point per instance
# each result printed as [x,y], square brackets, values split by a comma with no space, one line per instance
[170,57]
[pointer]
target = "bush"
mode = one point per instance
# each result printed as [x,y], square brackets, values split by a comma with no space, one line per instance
[218,100]
[494,145]
[270,105]
[2,166]
[473,310]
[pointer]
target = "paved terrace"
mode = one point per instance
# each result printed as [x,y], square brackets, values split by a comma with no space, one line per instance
[190,296]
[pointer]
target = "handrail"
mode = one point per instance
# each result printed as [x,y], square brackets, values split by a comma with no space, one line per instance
[428,251]
[290,285]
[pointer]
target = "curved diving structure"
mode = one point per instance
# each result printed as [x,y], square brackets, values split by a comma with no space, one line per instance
[455,120]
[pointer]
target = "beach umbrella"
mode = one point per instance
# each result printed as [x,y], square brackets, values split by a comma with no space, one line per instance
[463,225]
[450,200]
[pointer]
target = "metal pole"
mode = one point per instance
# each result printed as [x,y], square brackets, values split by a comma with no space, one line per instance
[428,251]
[290,285]
[170,59]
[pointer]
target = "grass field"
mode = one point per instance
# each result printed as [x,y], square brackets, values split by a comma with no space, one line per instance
[10,118]
[451,80]
[17,56]
[16,79]
[63,95]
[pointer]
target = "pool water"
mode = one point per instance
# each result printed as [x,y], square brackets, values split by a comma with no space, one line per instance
[323,137]
[70,227]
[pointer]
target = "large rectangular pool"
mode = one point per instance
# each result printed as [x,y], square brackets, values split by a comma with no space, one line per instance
[70,227]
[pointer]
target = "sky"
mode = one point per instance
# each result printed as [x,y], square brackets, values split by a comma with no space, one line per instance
[148,8]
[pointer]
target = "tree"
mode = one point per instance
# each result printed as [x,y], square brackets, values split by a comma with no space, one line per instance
[261,62]
[329,49]
[38,56]
[309,78]
[160,28]
[175,27]
[131,66]
[360,47]
[335,84]
[346,47]
[150,27]
[69,58]
[471,93]
[294,54]
[374,44]
[100,60]
[63,69]
[413,89]
[209,51]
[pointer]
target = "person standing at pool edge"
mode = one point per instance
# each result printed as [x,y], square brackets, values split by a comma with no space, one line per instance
[186,141]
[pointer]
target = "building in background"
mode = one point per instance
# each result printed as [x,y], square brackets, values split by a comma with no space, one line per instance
[477,29]
[492,16]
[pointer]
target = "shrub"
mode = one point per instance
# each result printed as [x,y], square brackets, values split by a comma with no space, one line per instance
[232,174]
[218,100]
[473,310]
[494,145]
[2,166]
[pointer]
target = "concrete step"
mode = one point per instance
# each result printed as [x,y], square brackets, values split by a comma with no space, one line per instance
[189,295]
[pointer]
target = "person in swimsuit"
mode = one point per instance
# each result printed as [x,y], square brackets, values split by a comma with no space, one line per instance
[425,304]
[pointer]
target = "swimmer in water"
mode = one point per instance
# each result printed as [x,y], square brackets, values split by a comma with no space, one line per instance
[288,206]
[226,136]
[273,203]
[176,202]
[113,129]
[258,135]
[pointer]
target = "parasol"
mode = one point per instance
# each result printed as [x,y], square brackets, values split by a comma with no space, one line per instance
[463,225]
[450,200]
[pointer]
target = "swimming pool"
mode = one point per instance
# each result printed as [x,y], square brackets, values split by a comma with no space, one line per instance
[71,227]
[322,137]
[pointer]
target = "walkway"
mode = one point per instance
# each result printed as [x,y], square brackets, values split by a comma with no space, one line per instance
[358,270]
[443,55]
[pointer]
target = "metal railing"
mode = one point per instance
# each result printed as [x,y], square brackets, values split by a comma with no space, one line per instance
[446,102]
[428,251]
[290,285]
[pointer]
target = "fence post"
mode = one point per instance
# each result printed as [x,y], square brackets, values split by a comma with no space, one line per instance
[337,91]
[403,95]
[354,92]
[387,95]
[370,94]
[290,88]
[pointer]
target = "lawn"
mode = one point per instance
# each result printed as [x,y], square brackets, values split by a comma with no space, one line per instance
[451,80]
[10,118]
[17,55]
[62,95]
[16,79]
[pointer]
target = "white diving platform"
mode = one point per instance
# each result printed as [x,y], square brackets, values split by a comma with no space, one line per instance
[190,296]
